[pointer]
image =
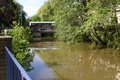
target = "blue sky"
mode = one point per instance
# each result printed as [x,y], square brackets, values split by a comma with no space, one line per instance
[31,6]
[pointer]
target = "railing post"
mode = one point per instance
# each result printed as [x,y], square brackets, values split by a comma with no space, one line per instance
[4,41]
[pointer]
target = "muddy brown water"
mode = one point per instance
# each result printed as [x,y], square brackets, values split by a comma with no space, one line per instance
[80,61]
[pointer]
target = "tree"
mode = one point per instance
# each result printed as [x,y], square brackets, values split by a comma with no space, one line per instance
[75,19]
[35,18]
[19,14]
[46,12]
[9,12]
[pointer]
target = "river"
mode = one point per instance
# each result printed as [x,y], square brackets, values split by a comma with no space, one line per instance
[82,61]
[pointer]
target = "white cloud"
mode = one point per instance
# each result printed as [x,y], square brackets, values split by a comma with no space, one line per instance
[31,6]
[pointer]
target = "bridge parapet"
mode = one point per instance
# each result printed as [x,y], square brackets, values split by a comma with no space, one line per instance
[4,41]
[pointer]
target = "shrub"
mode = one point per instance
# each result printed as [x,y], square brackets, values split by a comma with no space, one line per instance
[20,44]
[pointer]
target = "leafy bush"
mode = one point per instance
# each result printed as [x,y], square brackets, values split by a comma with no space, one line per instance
[20,44]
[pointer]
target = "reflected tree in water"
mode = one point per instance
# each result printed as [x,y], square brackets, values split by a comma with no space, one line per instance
[81,62]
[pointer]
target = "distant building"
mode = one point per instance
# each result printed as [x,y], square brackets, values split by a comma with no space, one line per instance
[118,14]
[42,31]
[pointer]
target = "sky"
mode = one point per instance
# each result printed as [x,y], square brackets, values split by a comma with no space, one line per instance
[31,6]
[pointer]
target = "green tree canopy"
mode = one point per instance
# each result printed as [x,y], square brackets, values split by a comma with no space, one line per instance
[75,18]
[10,11]
[35,18]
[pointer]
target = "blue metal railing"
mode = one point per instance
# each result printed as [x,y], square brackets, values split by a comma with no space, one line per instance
[14,70]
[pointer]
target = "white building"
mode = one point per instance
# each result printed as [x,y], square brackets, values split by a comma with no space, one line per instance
[118,14]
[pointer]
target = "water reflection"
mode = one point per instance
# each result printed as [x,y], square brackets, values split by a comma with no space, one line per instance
[117,76]
[82,62]
[41,71]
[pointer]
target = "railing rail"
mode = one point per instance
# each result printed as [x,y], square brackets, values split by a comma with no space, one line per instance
[14,70]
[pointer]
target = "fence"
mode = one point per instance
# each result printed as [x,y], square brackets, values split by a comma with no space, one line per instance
[13,69]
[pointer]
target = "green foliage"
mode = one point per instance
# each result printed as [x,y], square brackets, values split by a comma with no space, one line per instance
[11,11]
[20,14]
[112,36]
[69,18]
[35,18]
[46,12]
[20,45]
[75,19]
